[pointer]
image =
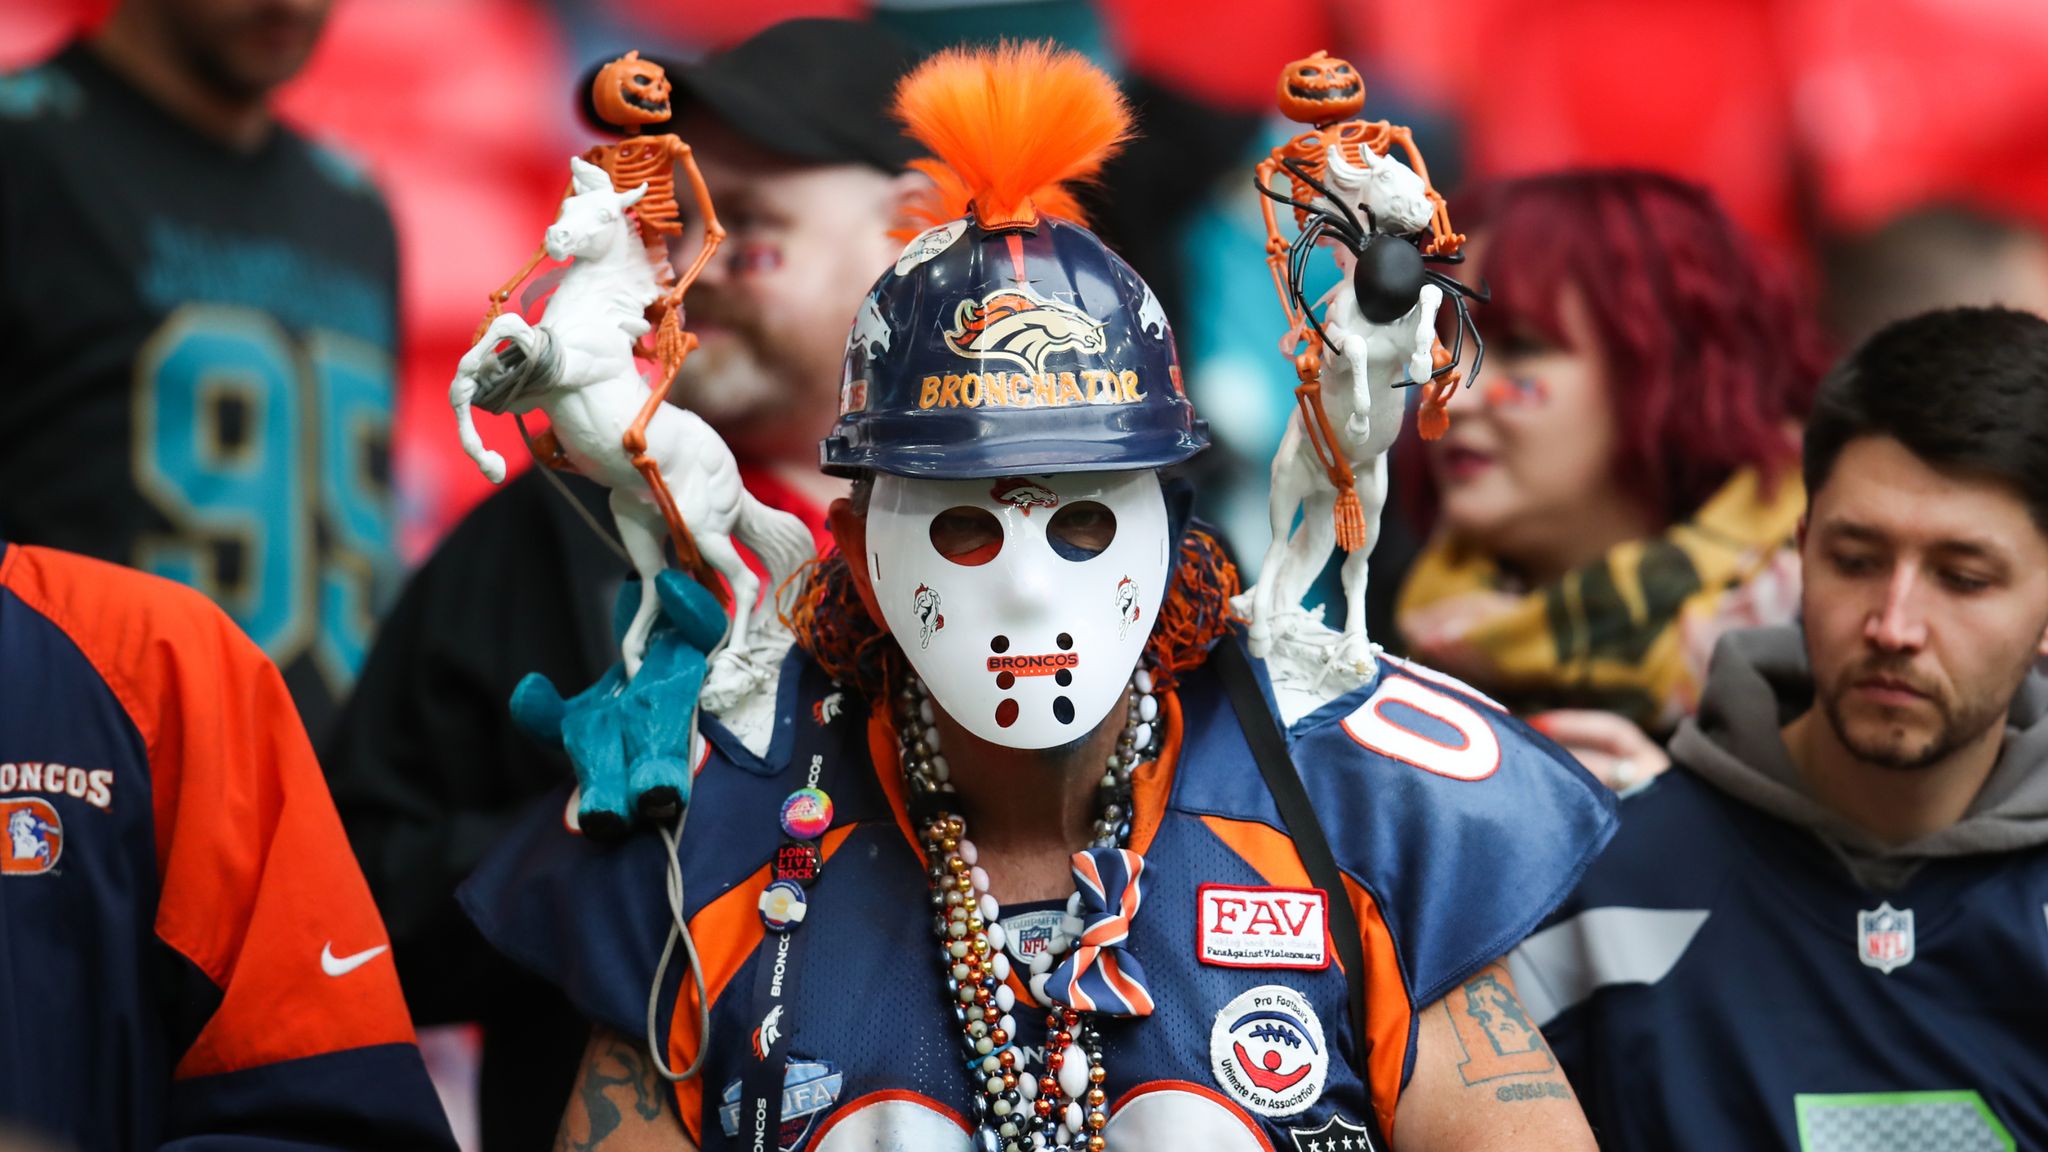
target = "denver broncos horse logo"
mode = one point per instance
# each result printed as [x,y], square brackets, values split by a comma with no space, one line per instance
[1011,324]
[34,837]
[1021,493]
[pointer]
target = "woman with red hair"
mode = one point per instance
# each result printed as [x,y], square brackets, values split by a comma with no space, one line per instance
[1620,485]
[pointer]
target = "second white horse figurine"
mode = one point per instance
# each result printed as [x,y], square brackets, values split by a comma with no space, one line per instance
[1365,406]
[580,370]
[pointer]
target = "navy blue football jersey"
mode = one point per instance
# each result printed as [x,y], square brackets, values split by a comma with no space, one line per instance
[1456,828]
[189,958]
[197,346]
[1720,981]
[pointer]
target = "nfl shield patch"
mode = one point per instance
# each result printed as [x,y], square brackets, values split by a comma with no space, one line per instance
[1027,934]
[1339,1135]
[1884,938]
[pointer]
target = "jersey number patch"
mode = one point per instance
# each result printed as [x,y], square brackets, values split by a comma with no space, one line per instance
[250,441]
[1418,725]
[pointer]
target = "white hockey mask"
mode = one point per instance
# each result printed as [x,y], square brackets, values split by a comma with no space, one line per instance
[1023,602]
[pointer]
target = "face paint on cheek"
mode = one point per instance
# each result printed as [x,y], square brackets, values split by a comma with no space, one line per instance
[1518,392]
[754,259]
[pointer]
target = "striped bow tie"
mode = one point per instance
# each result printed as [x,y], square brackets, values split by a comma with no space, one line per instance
[1100,974]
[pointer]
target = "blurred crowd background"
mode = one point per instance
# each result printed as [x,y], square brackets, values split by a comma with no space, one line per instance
[1886,151]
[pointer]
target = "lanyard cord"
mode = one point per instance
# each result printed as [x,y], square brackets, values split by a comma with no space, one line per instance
[678,929]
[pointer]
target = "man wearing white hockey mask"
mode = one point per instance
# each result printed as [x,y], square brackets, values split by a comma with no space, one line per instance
[1074,880]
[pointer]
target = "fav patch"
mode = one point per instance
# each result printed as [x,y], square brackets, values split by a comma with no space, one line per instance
[31,837]
[809,1089]
[1262,927]
[1339,1135]
[1267,1053]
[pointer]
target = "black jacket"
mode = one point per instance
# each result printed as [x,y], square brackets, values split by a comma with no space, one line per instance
[428,771]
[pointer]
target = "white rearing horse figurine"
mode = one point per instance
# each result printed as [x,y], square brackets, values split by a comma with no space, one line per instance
[591,389]
[1365,408]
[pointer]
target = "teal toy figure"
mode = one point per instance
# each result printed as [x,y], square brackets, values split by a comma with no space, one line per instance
[631,740]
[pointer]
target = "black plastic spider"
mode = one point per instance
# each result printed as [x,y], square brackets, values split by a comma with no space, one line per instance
[1387,276]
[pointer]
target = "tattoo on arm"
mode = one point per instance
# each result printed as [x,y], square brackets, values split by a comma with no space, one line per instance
[1499,1041]
[613,1064]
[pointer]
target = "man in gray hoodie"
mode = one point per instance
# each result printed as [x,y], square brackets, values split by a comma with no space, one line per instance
[1827,927]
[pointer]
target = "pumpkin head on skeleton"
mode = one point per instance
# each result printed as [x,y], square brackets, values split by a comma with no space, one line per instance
[629,92]
[1320,89]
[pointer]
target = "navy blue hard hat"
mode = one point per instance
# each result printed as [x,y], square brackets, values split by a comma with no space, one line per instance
[1010,351]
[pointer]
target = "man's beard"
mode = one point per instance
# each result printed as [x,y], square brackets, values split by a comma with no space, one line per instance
[202,47]
[1891,744]
[736,378]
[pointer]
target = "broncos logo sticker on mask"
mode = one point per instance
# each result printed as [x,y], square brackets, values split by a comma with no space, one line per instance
[1023,494]
[1014,325]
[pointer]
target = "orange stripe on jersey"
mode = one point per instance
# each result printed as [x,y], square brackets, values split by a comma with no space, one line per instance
[1152,783]
[885,752]
[726,932]
[1270,853]
[1387,1010]
[257,886]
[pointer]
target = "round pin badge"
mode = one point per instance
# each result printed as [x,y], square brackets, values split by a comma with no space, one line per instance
[783,904]
[1266,1050]
[806,813]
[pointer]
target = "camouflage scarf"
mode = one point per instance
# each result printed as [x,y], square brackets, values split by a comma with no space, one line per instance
[1629,632]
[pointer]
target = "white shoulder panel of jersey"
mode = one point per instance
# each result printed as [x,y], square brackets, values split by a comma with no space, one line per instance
[1415,718]
[741,687]
[1568,962]
[1424,672]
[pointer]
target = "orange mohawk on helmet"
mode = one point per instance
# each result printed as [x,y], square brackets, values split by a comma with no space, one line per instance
[1011,127]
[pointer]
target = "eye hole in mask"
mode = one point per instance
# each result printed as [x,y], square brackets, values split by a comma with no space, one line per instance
[1081,531]
[966,535]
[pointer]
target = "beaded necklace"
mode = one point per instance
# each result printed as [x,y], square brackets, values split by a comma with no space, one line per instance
[1064,1108]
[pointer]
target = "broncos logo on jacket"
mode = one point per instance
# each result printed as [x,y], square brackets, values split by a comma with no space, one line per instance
[1010,324]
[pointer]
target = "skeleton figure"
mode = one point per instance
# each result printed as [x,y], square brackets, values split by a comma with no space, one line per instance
[629,94]
[1326,93]
[577,366]
[1372,363]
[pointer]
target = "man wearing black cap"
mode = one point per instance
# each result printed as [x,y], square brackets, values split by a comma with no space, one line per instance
[808,175]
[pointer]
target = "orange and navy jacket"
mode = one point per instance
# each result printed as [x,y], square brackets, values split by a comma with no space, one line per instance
[1455,826]
[188,954]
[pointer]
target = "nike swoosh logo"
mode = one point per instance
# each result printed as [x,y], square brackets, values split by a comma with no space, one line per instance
[343,965]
